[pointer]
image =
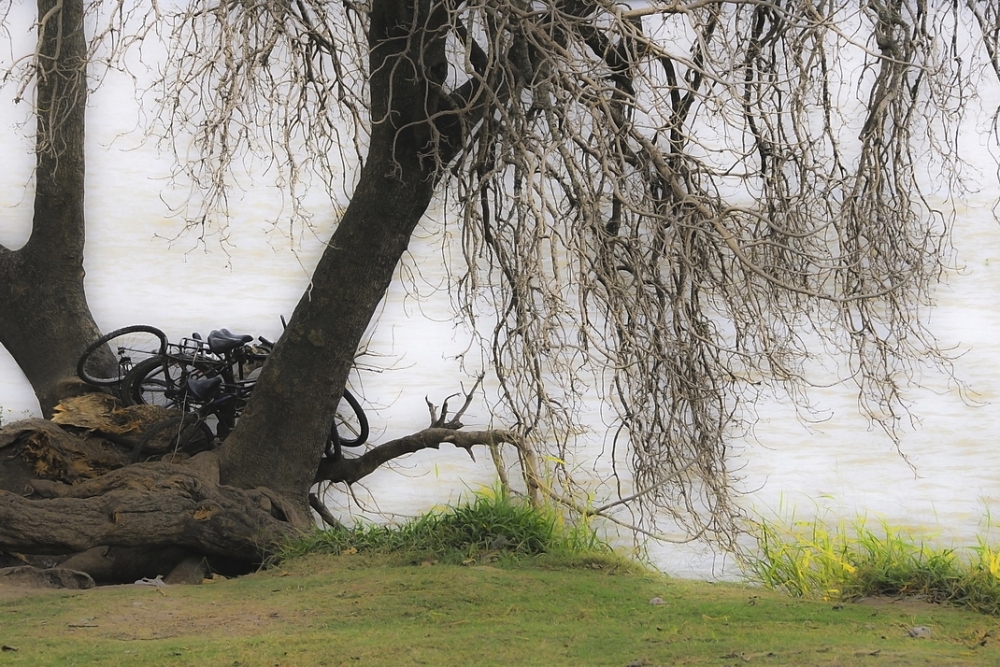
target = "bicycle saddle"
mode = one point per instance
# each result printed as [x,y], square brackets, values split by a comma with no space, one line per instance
[221,341]
[201,389]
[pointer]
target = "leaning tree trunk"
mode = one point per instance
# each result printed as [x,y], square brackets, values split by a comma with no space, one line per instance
[45,322]
[294,402]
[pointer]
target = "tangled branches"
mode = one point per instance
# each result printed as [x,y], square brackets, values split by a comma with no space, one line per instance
[673,204]
[670,205]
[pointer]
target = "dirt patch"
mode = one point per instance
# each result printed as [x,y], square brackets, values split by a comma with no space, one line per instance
[159,615]
[135,613]
[904,604]
[12,592]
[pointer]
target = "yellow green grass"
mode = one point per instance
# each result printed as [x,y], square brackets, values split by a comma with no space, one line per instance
[852,560]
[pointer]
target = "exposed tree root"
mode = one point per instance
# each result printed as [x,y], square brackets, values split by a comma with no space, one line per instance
[74,495]
[146,505]
[67,490]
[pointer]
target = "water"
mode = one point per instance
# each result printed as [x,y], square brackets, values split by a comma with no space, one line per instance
[946,485]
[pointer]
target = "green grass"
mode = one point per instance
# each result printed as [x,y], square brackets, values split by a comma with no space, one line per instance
[492,526]
[360,609]
[849,561]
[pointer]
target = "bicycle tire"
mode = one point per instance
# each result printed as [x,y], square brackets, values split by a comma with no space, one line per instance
[159,381]
[187,440]
[356,427]
[109,359]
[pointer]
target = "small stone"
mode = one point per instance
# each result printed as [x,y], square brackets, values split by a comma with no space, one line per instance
[191,570]
[56,577]
[499,542]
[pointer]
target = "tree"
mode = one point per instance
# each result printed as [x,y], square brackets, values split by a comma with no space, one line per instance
[46,322]
[671,203]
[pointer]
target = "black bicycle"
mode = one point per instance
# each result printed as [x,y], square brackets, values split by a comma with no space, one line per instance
[208,380]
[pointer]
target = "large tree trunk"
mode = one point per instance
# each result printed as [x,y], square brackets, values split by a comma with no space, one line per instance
[45,322]
[293,404]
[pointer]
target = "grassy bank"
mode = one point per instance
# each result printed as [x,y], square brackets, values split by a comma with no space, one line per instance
[490,526]
[373,610]
[489,583]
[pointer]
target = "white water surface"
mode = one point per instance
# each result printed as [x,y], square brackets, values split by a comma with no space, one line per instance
[946,486]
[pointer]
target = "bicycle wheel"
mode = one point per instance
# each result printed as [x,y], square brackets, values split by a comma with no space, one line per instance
[160,381]
[110,358]
[186,433]
[350,426]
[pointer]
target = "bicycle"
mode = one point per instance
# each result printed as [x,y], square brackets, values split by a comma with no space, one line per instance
[207,380]
[164,380]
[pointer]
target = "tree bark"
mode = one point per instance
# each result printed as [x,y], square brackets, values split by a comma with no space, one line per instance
[45,322]
[294,401]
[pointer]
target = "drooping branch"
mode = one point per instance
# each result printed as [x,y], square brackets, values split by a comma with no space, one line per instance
[671,204]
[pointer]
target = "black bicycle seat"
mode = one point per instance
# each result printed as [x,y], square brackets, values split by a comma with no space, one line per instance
[221,341]
[201,389]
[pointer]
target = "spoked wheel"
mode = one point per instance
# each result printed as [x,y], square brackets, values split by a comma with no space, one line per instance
[350,426]
[186,433]
[160,381]
[111,357]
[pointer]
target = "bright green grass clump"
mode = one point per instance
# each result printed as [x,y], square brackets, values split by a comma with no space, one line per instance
[851,561]
[492,525]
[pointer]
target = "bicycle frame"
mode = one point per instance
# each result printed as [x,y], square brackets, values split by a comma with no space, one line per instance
[198,363]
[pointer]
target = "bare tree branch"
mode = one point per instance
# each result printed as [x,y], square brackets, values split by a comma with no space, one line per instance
[351,470]
[673,204]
